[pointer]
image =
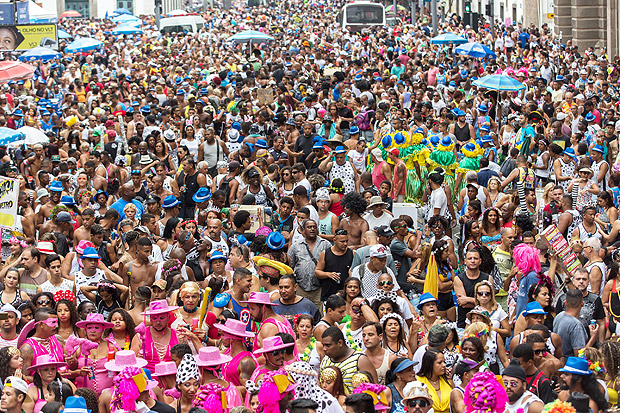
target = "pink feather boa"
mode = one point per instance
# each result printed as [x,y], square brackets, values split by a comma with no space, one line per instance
[84,344]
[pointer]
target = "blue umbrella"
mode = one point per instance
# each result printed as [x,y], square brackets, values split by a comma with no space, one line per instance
[127,29]
[8,135]
[448,38]
[121,11]
[83,44]
[39,53]
[499,82]
[475,50]
[251,36]
[125,18]
[135,23]
[63,34]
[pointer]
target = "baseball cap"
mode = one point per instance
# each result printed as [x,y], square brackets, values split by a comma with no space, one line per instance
[64,216]
[384,231]
[378,251]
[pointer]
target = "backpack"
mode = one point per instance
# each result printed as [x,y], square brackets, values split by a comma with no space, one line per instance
[224,186]
[363,119]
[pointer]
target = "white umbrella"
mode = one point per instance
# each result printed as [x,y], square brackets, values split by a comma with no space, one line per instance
[33,135]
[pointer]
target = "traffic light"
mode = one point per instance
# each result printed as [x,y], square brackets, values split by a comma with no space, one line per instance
[467,6]
[487,10]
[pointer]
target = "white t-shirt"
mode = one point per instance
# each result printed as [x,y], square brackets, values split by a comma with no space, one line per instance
[358,159]
[438,200]
[374,222]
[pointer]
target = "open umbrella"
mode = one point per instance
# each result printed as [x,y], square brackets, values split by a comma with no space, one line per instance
[63,34]
[127,29]
[12,70]
[39,53]
[250,36]
[121,11]
[135,23]
[8,135]
[70,13]
[398,8]
[125,18]
[499,82]
[448,38]
[33,135]
[475,50]
[83,44]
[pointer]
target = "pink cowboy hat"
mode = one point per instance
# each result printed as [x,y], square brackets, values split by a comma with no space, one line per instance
[159,307]
[23,335]
[125,358]
[165,368]
[234,328]
[272,344]
[258,298]
[45,360]
[211,356]
[94,318]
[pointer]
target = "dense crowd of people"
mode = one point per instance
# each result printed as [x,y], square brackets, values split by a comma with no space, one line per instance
[326,222]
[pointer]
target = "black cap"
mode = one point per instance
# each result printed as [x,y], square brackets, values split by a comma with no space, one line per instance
[153,199]
[515,370]
[384,231]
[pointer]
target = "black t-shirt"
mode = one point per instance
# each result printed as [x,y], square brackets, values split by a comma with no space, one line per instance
[62,243]
[162,408]
[345,113]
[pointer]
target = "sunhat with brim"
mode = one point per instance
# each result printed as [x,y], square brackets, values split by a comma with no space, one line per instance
[258,298]
[165,368]
[576,365]
[45,360]
[275,240]
[337,138]
[56,186]
[425,299]
[94,318]
[272,344]
[19,384]
[281,267]
[23,335]
[159,307]
[41,193]
[46,247]
[534,308]
[82,245]
[217,255]
[202,195]
[585,169]
[234,328]
[416,390]
[481,311]
[598,148]
[375,200]
[125,358]
[211,356]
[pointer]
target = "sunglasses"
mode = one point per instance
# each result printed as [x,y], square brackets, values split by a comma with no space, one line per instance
[356,310]
[43,302]
[484,294]
[279,352]
[542,352]
[512,384]
[384,283]
[418,402]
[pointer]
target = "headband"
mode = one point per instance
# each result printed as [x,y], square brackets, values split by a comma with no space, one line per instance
[21,242]
[328,374]
[12,351]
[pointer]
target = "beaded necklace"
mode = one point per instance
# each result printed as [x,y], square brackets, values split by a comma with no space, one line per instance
[306,354]
[349,337]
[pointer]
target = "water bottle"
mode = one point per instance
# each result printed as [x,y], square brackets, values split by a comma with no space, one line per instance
[456,302]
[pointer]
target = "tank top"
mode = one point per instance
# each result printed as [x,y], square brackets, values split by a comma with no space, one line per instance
[55,348]
[325,224]
[396,181]
[461,390]
[344,172]
[596,167]
[462,133]
[384,367]
[576,221]
[396,399]
[336,207]
[335,263]
[17,301]
[150,352]
[283,327]
[601,266]
[244,313]
[230,371]
[614,300]
[567,169]
[543,173]
[348,367]
[377,176]
[212,153]
[468,286]
[523,404]
[260,196]
[191,187]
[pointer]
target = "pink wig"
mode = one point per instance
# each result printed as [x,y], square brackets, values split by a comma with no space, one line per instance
[526,258]
[125,392]
[209,397]
[269,396]
[484,394]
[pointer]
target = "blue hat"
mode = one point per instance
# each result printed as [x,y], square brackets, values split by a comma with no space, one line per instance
[236,125]
[202,195]
[20,82]
[470,146]
[478,141]
[464,73]
[452,83]
[405,364]
[170,202]
[486,139]
[45,112]
[560,78]
[399,138]
[145,109]
[378,79]
[261,143]
[570,152]
[221,300]
[424,142]
[129,110]
[458,112]
[590,117]
[202,102]
[76,404]
[67,200]
[426,298]
[357,78]
[90,252]
[99,192]
[18,112]
[446,141]
[275,240]
[485,128]
[534,308]
[386,141]
[203,91]
[217,255]
[576,365]
[242,240]
[317,145]
[250,146]
[354,130]
[482,107]
[180,92]
[135,103]
[340,149]
[56,186]
[178,80]
[435,140]
[598,148]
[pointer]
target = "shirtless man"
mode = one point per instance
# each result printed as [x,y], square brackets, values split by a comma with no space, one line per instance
[139,272]
[241,287]
[354,206]
[27,216]
[34,162]
[55,189]
[157,187]
[261,311]
[99,183]
[83,232]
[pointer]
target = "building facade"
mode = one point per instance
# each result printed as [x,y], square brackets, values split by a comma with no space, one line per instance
[99,8]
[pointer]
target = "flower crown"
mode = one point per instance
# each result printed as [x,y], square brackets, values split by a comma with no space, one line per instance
[596,366]
[21,242]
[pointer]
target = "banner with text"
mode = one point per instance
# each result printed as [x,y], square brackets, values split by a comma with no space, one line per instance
[28,36]
[9,189]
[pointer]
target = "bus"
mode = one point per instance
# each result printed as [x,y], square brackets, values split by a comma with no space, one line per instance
[361,15]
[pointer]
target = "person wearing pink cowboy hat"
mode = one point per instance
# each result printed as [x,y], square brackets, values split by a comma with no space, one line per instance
[261,311]
[274,352]
[44,371]
[209,360]
[155,343]
[165,373]
[43,341]
[93,372]
[243,362]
